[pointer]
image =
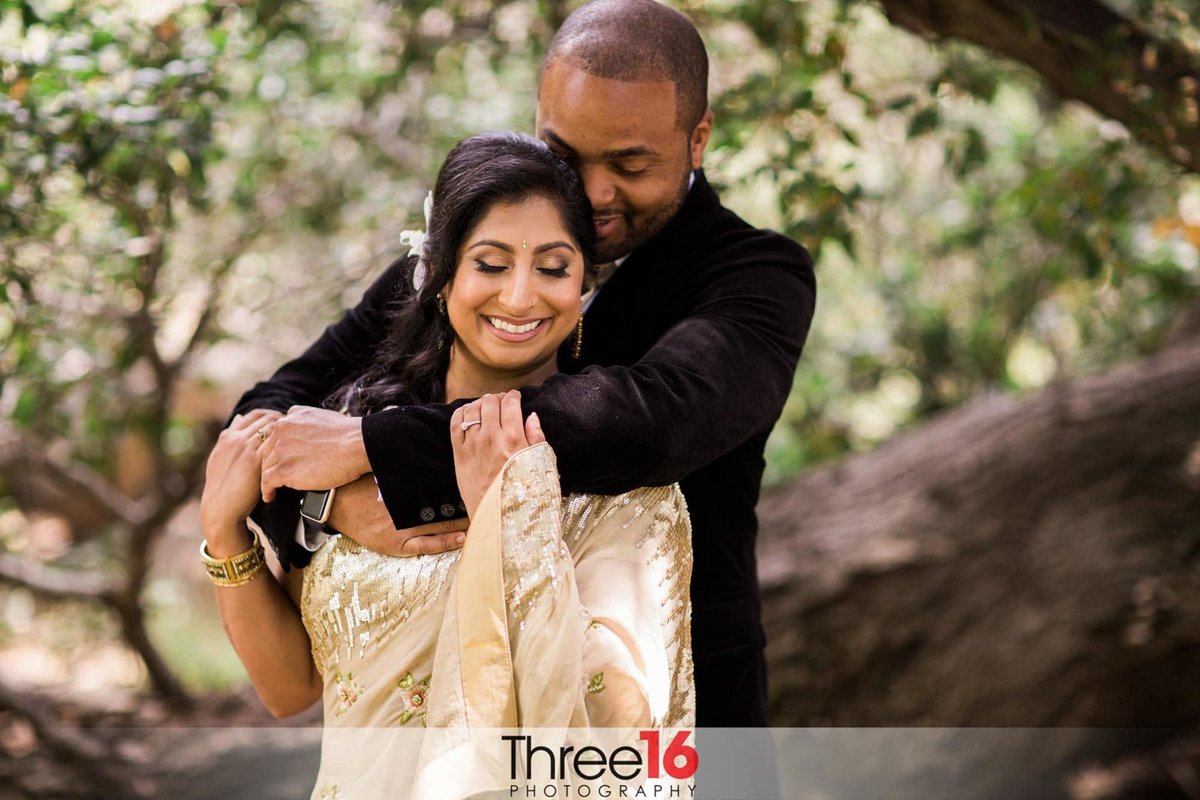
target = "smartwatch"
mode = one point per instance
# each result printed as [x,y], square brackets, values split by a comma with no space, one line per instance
[316,505]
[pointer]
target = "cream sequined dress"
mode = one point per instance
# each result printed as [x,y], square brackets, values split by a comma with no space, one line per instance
[559,612]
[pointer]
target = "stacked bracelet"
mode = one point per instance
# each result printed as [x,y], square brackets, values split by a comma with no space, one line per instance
[237,569]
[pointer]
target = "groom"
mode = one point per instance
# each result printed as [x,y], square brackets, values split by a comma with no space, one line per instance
[689,348]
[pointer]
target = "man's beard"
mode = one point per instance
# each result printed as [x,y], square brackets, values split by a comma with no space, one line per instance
[643,229]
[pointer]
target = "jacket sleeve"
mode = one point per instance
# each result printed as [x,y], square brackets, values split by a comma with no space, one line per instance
[711,381]
[343,350]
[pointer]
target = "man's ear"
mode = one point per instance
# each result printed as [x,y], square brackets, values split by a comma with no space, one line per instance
[699,138]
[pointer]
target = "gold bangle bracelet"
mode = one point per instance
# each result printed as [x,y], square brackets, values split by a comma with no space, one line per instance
[236,570]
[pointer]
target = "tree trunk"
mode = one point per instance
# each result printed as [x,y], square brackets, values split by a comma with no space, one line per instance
[1020,561]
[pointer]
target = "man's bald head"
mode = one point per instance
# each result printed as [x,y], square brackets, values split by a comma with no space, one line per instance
[638,40]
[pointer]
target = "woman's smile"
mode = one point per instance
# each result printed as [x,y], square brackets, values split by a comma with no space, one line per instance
[515,330]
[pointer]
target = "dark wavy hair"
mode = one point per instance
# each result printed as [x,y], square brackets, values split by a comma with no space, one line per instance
[409,366]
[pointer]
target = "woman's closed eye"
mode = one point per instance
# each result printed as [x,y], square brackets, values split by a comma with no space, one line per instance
[554,270]
[484,266]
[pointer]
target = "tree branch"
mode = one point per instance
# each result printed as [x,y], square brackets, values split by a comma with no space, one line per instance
[72,478]
[211,309]
[1087,52]
[56,583]
[86,753]
[133,626]
[141,324]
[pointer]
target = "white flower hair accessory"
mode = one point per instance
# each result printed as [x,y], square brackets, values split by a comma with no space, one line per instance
[416,244]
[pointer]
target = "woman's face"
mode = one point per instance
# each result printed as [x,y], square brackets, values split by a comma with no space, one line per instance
[514,297]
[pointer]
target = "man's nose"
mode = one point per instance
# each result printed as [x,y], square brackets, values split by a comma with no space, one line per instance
[598,185]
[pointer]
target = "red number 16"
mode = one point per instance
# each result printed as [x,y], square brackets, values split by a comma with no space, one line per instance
[676,750]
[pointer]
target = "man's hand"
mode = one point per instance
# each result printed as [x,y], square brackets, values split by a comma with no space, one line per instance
[313,449]
[485,433]
[360,514]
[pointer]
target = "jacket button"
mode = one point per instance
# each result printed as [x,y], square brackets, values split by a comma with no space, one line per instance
[428,514]
[447,510]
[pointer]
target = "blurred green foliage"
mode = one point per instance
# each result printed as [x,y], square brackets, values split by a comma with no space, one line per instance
[976,214]
[190,190]
[973,233]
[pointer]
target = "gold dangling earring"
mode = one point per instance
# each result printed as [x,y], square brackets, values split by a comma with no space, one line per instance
[441,303]
[578,338]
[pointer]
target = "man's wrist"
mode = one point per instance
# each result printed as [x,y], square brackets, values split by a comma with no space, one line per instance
[357,511]
[339,508]
[355,449]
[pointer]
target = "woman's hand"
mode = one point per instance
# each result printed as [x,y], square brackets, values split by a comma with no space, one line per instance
[493,432]
[263,624]
[231,480]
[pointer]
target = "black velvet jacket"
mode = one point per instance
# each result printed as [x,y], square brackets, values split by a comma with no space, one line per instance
[688,355]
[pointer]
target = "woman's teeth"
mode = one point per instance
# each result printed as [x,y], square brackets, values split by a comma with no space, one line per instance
[508,327]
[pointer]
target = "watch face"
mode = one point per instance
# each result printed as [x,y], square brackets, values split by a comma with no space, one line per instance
[315,506]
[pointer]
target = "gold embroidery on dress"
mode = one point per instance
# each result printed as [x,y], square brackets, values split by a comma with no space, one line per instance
[534,553]
[577,509]
[596,684]
[677,579]
[660,535]
[354,598]
[609,506]
[668,553]
[638,510]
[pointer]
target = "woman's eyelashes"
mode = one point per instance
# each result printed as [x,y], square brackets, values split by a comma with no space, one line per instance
[553,269]
[484,266]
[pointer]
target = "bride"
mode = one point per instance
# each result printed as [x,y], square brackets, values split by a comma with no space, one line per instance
[568,613]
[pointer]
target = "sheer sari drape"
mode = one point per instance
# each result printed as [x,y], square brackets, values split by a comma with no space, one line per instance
[565,615]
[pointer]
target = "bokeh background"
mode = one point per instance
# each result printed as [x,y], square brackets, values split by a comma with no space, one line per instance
[984,493]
